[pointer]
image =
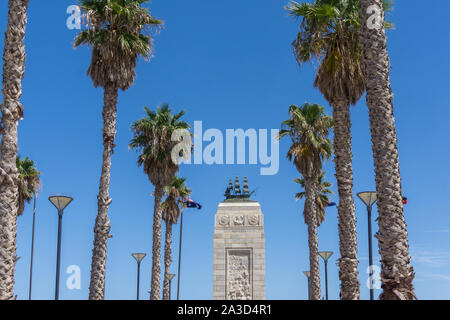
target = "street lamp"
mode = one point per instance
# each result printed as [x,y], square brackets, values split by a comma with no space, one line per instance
[60,202]
[308,275]
[325,256]
[138,257]
[369,198]
[170,277]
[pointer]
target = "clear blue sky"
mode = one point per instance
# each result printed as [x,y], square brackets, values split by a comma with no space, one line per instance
[228,64]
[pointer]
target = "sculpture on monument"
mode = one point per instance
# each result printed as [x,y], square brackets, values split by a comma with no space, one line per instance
[239,246]
[246,194]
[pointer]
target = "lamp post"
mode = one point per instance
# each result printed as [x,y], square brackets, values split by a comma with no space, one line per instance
[325,256]
[170,277]
[308,275]
[32,247]
[60,202]
[369,198]
[138,257]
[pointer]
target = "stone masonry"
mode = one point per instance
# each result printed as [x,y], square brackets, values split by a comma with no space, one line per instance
[239,251]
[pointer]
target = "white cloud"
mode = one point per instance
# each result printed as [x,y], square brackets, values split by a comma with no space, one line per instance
[431,257]
[440,277]
[439,231]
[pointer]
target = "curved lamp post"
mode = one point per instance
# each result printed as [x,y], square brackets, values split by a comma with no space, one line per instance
[308,275]
[60,202]
[369,198]
[138,257]
[170,277]
[325,256]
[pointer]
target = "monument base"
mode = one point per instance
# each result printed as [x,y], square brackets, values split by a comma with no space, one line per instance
[239,251]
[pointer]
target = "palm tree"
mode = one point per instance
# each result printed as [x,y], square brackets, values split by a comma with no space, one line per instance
[172,207]
[119,33]
[397,274]
[152,138]
[308,127]
[329,33]
[322,200]
[29,184]
[12,112]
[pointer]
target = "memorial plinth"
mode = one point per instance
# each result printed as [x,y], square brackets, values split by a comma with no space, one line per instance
[239,250]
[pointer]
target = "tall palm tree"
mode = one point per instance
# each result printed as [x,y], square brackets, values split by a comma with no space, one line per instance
[152,138]
[12,111]
[176,192]
[119,33]
[397,273]
[322,196]
[29,184]
[308,127]
[329,33]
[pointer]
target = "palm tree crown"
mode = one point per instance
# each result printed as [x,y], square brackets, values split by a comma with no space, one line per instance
[119,32]
[29,181]
[176,192]
[329,33]
[322,199]
[153,138]
[308,127]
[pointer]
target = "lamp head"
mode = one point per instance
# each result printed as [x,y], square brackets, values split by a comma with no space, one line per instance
[326,255]
[60,202]
[170,276]
[138,256]
[368,197]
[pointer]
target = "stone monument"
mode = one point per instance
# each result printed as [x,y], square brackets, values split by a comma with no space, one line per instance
[239,247]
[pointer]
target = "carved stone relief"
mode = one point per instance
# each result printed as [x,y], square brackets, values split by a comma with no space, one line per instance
[239,220]
[239,275]
[253,220]
[224,220]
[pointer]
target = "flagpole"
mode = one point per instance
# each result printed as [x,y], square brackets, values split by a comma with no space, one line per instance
[179,256]
[198,206]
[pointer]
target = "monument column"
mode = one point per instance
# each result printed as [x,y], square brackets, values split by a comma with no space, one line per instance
[239,247]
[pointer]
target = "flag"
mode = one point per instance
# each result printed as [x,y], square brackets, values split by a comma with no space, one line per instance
[192,204]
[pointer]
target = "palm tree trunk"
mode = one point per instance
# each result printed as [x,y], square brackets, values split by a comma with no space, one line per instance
[313,240]
[348,262]
[12,110]
[102,223]
[397,274]
[155,291]
[167,261]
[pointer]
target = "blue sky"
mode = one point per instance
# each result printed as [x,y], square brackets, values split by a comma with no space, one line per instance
[228,64]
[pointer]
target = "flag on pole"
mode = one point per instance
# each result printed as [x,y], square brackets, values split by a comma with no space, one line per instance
[192,204]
